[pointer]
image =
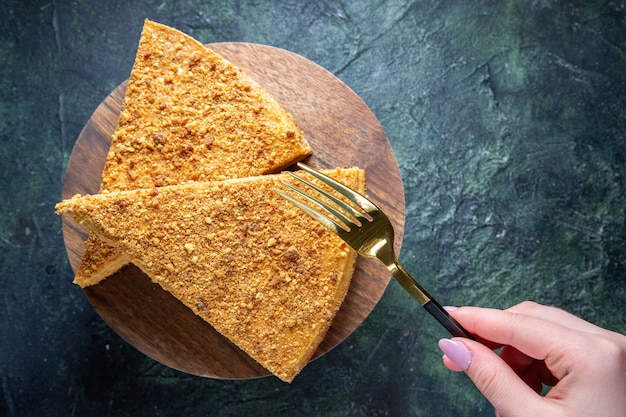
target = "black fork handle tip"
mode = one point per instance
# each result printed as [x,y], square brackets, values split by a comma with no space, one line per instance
[442,316]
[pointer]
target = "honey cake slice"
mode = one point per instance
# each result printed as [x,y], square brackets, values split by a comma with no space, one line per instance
[263,274]
[189,114]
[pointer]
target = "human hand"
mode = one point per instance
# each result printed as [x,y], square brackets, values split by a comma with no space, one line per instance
[584,364]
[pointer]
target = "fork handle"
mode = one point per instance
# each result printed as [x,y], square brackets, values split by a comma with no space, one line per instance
[442,316]
[426,300]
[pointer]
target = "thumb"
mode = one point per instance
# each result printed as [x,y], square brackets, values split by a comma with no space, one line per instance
[493,377]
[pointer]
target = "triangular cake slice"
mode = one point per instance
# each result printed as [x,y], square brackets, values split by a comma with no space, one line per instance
[263,274]
[189,114]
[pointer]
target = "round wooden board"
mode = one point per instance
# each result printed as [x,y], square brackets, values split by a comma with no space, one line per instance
[341,130]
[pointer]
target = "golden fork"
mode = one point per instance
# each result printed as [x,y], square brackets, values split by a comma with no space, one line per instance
[366,229]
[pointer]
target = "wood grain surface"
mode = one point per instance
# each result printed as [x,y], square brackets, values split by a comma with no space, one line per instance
[341,130]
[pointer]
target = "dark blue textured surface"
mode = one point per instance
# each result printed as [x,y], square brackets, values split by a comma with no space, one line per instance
[508,119]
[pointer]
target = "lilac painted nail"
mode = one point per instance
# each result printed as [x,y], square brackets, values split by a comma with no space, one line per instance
[457,352]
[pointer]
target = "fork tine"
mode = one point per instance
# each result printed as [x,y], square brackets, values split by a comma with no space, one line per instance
[351,195]
[358,215]
[342,217]
[328,222]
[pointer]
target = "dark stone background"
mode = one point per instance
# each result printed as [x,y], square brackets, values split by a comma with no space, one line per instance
[509,123]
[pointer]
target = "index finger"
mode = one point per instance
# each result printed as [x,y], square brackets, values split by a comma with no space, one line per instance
[538,338]
[556,315]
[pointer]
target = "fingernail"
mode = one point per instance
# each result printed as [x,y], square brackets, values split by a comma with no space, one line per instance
[498,414]
[457,352]
[450,308]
